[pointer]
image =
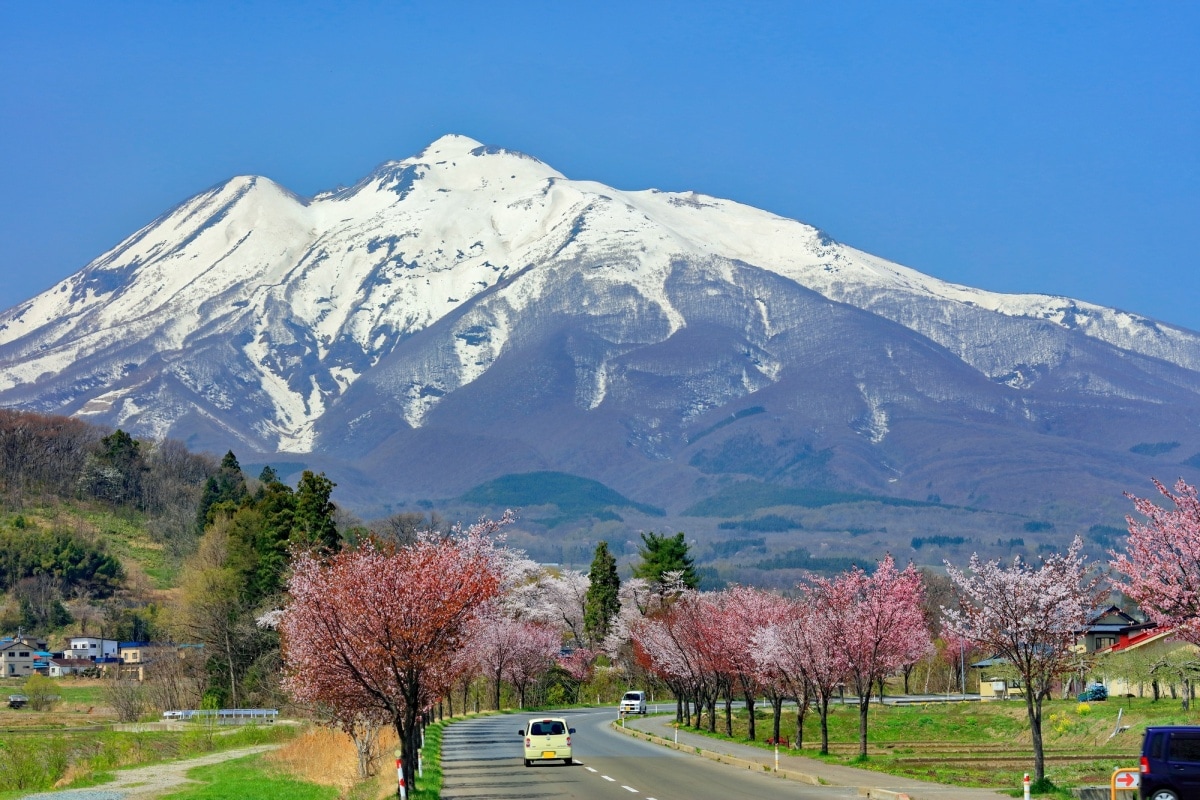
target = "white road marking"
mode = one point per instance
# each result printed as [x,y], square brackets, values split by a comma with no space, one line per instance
[614,780]
[590,769]
[629,789]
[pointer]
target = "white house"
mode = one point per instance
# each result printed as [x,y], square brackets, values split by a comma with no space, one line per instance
[91,647]
[60,667]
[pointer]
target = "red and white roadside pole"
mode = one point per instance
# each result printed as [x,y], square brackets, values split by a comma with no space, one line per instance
[401,789]
[1026,786]
[777,755]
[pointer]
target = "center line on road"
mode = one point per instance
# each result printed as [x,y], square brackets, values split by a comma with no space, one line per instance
[590,769]
[629,789]
[614,780]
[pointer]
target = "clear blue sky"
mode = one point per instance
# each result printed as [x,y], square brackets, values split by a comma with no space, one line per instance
[1042,147]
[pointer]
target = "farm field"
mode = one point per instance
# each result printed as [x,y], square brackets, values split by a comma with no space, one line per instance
[979,744]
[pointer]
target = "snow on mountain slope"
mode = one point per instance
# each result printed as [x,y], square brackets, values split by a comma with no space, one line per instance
[249,302]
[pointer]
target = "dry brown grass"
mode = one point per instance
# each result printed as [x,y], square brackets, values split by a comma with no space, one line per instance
[320,755]
[327,757]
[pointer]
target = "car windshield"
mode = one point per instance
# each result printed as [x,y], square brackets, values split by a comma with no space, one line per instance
[546,728]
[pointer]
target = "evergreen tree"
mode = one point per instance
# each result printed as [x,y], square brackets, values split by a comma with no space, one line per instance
[313,525]
[224,491]
[661,554]
[602,602]
[260,533]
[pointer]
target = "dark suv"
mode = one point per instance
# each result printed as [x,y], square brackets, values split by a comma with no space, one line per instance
[1171,763]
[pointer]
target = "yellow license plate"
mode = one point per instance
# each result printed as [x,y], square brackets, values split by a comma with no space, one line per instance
[548,754]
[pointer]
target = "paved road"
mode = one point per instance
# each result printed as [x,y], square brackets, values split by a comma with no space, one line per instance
[481,760]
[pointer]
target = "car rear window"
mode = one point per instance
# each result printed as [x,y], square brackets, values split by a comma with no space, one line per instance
[1185,747]
[633,696]
[548,728]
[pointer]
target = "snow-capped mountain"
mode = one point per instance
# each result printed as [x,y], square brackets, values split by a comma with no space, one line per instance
[470,312]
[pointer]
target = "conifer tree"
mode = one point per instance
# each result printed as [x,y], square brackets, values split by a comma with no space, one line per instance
[661,554]
[313,524]
[602,602]
[224,491]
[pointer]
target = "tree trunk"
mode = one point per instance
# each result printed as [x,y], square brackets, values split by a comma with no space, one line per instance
[823,703]
[728,715]
[801,712]
[864,703]
[1033,707]
[776,714]
[750,714]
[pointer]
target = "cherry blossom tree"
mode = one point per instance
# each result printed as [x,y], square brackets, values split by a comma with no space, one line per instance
[876,624]
[495,641]
[552,597]
[1161,565]
[376,629]
[579,666]
[775,669]
[537,649]
[801,646]
[664,645]
[1029,616]
[742,612]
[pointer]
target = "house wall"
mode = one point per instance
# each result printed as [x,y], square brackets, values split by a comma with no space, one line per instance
[91,647]
[16,660]
[1118,686]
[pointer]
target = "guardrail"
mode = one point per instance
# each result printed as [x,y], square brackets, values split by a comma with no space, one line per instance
[225,716]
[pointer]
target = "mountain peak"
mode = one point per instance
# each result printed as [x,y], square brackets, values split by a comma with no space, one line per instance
[451,145]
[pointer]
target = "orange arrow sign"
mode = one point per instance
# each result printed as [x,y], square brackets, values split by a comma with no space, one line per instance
[1125,779]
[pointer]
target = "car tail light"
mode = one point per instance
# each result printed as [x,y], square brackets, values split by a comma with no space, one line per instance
[1145,766]
[568,741]
[527,741]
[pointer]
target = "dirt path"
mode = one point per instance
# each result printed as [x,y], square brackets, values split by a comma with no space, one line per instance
[143,783]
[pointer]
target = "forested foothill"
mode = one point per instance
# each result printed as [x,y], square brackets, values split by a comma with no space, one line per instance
[258,593]
[106,535]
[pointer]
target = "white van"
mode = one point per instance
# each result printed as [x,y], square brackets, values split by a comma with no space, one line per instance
[633,703]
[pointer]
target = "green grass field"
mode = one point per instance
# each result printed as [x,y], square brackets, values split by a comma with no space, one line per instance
[233,778]
[35,761]
[981,744]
